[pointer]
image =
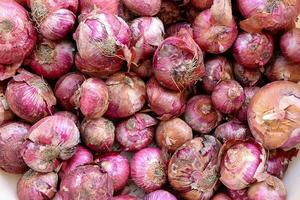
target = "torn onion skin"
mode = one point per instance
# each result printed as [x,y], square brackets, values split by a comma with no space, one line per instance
[221,196]
[232,130]
[159,195]
[289,45]
[273,115]
[143,7]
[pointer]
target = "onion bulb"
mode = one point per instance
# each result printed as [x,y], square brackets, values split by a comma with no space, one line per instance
[143,7]
[232,130]
[160,194]
[289,45]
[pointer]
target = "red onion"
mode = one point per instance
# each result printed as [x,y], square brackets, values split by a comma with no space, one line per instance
[117,167]
[178,62]
[159,195]
[216,69]
[247,77]
[192,170]
[169,12]
[86,182]
[175,29]
[5,113]
[201,115]
[288,45]
[38,186]
[52,59]
[98,134]
[238,194]
[136,132]
[148,169]
[173,133]
[92,98]
[202,4]
[271,188]
[273,115]
[232,130]
[82,156]
[253,50]
[221,196]
[143,7]
[30,97]
[68,115]
[12,136]
[50,141]
[173,104]
[106,6]
[228,96]
[101,40]
[127,95]
[215,29]
[144,69]
[242,163]
[124,197]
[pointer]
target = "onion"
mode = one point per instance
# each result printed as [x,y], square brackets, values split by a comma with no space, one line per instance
[50,141]
[148,169]
[271,188]
[101,40]
[173,104]
[5,113]
[192,170]
[144,69]
[35,185]
[289,47]
[238,194]
[82,156]
[232,130]
[221,196]
[127,95]
[247,77]
[98,134]
[22,2]
[242,163]
[202,4]
[169,12]
[86,182]
[273,115]
[92,98]
[30,97]
[253,50]
[124,197]
[172,134]
[136,132]
[159,195]
[215,29]
[143,7]
[52,59]
[216,69]
[178,62]
[117,167]
[201,115]
[106,6]
[12,136]
[68,115]
[228,96]
[175,29]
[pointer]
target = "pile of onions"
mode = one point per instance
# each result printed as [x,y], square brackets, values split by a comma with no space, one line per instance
[169,12]
[232,130]
[143,7]
[289,45]
[106,6]
[247,77]
[160,194]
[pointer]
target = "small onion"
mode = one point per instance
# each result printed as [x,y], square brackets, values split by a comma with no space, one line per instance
[68,115]
[50,141]
[51,59]
[12,136]
[143,69]
[117,167]
[169,12]
[98,134]
[289,45]
[232,130]
[247,77]
[160,195]
[202,4]
[173,104]
[228,96]
[127,95]
[35,185]
[238,194]
[175,29]
[106,6]
[30,97]
[148,169]
[172,134]
[221,196]
[136,132]
[242,163]
[193,168]
[143,7]
[124,197]
[5,112]
[271,188]
[201,115]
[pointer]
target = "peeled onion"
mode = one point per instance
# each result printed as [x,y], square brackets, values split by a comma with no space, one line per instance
[247,77]
[106,6]
[289,45]
[159,195]
[232,130]
[143,7]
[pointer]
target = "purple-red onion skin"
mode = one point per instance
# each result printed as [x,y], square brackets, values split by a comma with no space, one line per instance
[106,6]
[143,69]
[238,194]
[148,169]
[12,136]
[232,130]
[5,112]
[169,12]
[124,197]
[192,170]
[289,45]
[136,132]
[202,4]
[35,185]
[221,196]
[175,29]
[68,115]
[143,7]
[159,195]
[247,77]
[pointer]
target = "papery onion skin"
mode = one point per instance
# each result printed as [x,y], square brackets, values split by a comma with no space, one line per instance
[86,182]
[242,163]
[68,115]
[201,115]
[238,194]
[272,188]
[228,96]
[30,97]
[172,134]
[50,141]
[136,132]
[169,13]
[273,115]
[117,167]
[247,77]
[174,102]
[51,59]
[289,45]
[232,130]
[221,196]
[35,185]
[160,194]
[202,4]
[127,95]
[148,169]
[5,112]
[106,6]
[144,69]
[124,197]
[98,134]
[253,50]
[12,136]
[143,7]
[175,29]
